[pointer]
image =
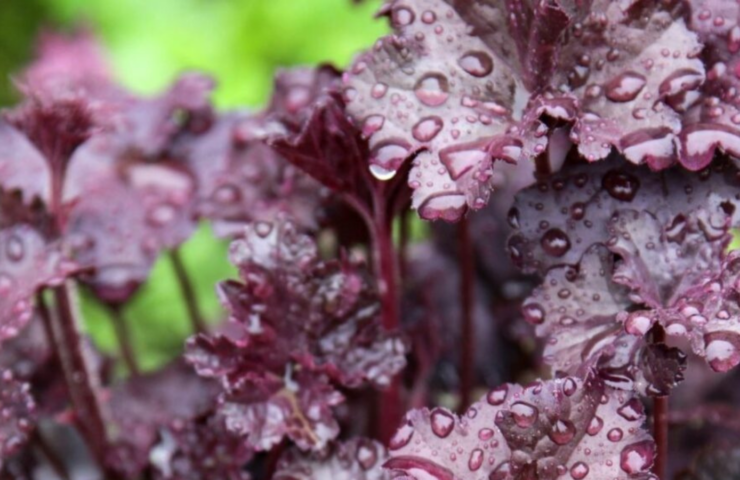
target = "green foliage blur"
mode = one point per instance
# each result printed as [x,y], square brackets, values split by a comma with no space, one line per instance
[241,43]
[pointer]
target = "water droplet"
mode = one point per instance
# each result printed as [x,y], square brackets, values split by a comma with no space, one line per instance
[432,89]
[263,229]
[477,64]
[621,185]
[485,434]
[632,410]
[637,457]
[15,249]
[533,313]
[721,352]
[442,422]
[372,124]
[6,283]
[428,17]
[615,434]
[569,387]
[524,414]
[638,324]
[562,432]
[555,242]
[577,211]
[579,470]
[427,128]
[595,426]
[497,396]
[367,455]
[402,437]
[476,459]
[625,87]
[402,16]
[513,217]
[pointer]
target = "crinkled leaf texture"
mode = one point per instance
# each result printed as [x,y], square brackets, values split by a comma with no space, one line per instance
[356,459]
[546,430]
[140,408]
[668,232]
[16,420]
[200,450]
[297,327]
[463,84]
[29,261]
[241,180]
[712,121]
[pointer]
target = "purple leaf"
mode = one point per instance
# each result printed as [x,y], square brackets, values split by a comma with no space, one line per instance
[140,407]
[295,324]
[580,311]
[17,409]
[356,459]
[465,84]
[200,450]
[241,180]
[123,211]
[712,120]
[545,430]
[558,220]
[28,262]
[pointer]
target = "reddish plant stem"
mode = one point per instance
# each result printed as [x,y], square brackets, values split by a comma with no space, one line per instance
[188,292]
[79,376]
[467,353]
[403,244]
[660,420]
[123,335]
[385,259]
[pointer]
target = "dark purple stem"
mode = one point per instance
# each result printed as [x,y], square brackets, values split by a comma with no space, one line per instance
[385,259]
[124,339]
[188,292]
[403,244]
[79,375]
[660,420]
[52,457]
[467,354]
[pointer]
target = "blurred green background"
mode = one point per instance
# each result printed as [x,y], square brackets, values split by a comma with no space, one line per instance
[240,43]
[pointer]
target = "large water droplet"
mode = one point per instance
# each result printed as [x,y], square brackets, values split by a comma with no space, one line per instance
[432,89]
[402,437]
[442,422]
[477,64]
[555,242]
[625,87]
[721,352]
[382,174]
[638,324]
[562,432]
[569,387]
[579,470]
[476,459]
[402,16]
[367,455]
[497,396]
[378,90]
[632,410]
[595,426]
[485,434]
[621,185]
[524,414]
[533,313]
[637,457]
[462,159]
[427,128]
[615,434]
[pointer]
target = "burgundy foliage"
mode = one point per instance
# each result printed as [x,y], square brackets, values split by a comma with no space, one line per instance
[590,148]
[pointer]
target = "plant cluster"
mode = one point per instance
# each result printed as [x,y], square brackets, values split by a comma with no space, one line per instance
[581,155]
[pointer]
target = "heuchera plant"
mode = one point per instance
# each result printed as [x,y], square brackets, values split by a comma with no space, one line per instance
[586,151]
